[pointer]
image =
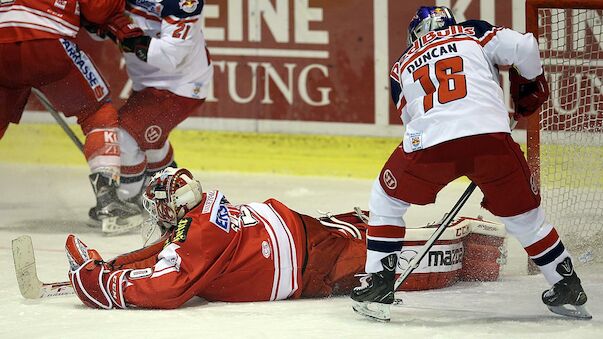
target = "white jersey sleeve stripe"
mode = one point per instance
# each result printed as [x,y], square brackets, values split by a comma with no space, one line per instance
[292,248]
[12,12]
[275,253]
[22,18]
[287,261]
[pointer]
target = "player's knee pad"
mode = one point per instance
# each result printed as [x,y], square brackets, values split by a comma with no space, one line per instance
[384,209]
[101,147]
[386,227]
[526,226]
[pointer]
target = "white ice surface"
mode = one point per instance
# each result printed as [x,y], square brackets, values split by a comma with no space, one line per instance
[50,202]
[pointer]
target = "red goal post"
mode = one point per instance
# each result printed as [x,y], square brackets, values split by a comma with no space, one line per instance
[565,140]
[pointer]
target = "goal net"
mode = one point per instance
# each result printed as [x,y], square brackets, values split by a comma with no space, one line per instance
[565,142]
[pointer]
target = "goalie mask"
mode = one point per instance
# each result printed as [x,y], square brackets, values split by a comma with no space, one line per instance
[171,194]
[429,19]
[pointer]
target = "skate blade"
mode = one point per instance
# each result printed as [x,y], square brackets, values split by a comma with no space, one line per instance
[94,223]
[375,311]
[579,312]
[115,225]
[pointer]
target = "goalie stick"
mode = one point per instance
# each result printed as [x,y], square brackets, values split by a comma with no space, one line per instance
[27,276]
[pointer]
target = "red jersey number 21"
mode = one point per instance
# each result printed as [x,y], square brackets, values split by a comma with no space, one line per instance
[451,85]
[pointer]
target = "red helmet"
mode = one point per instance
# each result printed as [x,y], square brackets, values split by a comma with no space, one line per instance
[171,194]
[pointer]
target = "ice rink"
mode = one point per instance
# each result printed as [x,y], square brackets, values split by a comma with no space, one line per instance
[50,202]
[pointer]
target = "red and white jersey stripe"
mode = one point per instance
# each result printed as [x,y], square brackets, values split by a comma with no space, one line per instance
[22,20]
[285,281]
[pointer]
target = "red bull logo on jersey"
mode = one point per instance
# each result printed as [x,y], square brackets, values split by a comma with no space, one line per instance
[434,35]
[188,6]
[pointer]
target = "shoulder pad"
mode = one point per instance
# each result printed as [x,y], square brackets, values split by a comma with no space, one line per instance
[182,8]
[481,27]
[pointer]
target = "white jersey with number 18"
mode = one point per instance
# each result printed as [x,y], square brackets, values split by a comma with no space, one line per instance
[446,85]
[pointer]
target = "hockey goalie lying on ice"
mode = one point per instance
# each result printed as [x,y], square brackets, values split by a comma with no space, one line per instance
[259,252]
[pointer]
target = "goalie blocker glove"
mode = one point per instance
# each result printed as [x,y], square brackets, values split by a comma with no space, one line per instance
[527,95]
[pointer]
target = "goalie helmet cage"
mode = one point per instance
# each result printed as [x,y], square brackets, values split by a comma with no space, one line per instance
[565,141]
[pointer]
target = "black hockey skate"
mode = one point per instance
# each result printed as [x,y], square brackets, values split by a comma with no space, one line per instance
[567,296]
[113,215]
[375,294]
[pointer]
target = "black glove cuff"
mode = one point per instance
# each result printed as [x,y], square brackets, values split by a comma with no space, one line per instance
[138,45]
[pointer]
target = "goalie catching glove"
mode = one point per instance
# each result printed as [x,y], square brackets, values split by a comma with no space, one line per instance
[527,95]
[94,283]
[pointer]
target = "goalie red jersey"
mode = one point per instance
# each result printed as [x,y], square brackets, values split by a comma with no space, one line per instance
[224,252]
[219,249]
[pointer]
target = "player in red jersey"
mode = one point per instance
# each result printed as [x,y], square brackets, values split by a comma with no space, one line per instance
[37,51]
[221,252]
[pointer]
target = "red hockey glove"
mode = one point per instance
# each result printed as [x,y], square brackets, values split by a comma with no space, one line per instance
[92,281]
[527,95]
[121,27]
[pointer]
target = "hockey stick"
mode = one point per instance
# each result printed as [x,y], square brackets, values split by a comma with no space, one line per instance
[414,263]
[55,114]
[27,276]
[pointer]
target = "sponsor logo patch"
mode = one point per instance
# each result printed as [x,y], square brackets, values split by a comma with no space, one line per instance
[440,258]
[60,4]
[266,251]
[182,230]
[210,197]
[389,179]
[85,66]
[149,6]
[222,220]
[416,141]
[141,273]
[152,133]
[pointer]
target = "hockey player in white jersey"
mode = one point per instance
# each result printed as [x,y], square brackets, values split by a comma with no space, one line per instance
[170,69]
[445,86]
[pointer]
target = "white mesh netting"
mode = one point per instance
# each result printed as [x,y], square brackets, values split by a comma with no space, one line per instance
[571,128]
